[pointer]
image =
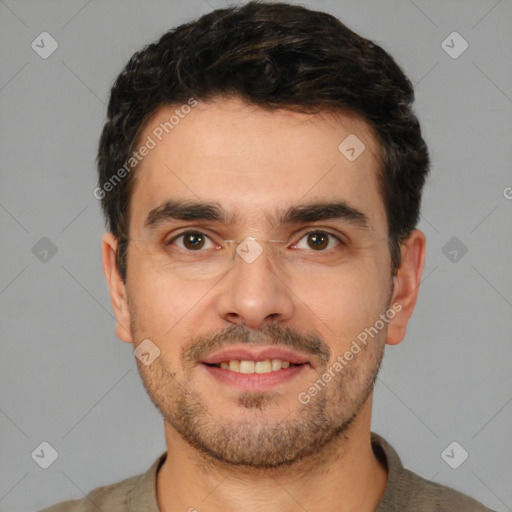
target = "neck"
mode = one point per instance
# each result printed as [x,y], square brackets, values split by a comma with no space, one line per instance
[344,477]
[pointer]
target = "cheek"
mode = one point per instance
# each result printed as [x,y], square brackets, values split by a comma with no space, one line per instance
[162,301]
[348,301]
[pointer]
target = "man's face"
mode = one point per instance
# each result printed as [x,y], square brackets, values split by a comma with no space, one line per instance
[301,292]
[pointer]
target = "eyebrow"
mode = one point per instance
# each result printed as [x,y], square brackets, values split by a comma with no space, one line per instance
[213,211]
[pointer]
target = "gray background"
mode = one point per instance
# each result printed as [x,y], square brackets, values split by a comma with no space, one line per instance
[67,380]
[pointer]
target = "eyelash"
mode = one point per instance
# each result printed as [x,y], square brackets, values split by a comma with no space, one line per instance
[193,232]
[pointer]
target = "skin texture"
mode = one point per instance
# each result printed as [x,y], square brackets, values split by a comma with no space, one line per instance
[262,449]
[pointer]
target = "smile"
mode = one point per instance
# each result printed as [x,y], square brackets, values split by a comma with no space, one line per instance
[245,366]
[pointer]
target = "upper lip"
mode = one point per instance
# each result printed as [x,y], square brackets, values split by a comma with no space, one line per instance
[244,353]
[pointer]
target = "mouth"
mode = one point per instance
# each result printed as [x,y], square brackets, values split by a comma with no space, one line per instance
[259,367]
[255,370]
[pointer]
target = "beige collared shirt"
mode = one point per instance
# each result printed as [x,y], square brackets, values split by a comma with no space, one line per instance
[405,491]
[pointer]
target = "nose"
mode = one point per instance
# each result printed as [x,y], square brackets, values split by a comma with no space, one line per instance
[254,292]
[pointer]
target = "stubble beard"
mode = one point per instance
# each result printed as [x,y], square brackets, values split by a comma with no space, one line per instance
[305,431]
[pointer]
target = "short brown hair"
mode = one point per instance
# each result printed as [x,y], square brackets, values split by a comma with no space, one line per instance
[275,56]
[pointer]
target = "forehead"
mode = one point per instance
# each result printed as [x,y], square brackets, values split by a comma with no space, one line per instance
[253,161]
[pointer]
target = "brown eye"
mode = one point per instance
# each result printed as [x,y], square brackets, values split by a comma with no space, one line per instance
[318,241]
[192,241]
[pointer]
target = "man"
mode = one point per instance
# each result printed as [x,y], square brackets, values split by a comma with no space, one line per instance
[261,173]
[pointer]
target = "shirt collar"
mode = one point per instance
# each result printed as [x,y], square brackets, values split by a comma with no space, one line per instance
[394,497]
[143,494]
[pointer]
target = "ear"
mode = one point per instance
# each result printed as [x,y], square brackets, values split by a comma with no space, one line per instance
[406,285]
[117,288]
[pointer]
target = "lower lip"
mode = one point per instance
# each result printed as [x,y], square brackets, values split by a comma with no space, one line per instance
[255,381]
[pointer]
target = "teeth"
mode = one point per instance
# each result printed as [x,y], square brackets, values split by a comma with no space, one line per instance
[276,364]
[246,366]
[266,366]
[234,366]
[263,366]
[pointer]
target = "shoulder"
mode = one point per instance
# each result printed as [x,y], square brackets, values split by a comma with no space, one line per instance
[408,491]
[133,493]
[427,496]
[107,497]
